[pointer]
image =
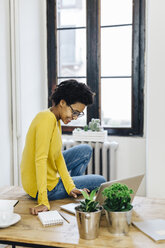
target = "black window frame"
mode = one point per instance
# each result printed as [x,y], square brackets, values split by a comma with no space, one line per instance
[93,63]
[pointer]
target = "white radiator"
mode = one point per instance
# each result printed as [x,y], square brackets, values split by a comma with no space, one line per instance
[103,161]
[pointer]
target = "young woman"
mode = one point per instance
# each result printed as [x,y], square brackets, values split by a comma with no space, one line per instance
[44,168]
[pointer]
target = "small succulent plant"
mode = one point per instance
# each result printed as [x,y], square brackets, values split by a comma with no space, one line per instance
[89,205]
[94,125]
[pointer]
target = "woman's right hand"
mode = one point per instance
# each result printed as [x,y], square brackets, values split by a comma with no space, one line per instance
[74,192]
[37,209]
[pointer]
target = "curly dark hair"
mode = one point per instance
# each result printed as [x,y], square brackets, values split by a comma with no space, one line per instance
[72,91]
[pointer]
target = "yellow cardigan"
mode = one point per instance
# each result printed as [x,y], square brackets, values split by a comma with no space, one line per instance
[42,161]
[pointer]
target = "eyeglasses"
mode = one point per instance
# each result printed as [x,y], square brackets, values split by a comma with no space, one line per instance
[76,113]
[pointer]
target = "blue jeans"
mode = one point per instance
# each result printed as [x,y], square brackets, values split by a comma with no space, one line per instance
[77,159]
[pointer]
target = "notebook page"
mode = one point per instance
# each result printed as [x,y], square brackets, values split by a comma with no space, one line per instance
[50,218]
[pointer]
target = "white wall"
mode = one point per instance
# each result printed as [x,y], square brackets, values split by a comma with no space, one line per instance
[5,96]
[31,77]
[33,74]
[33,65]
[155,77]
[131,159]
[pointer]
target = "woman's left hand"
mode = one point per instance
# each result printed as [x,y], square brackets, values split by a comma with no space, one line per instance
[76,192]
[37,209]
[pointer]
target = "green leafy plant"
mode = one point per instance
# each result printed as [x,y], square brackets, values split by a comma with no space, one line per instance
[117,198]
[89,204]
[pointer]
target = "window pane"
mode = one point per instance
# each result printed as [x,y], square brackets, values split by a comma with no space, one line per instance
[116,102]
[116,12]
[71,52]
[71,13]
[82,120]
[81,80]
[116,51]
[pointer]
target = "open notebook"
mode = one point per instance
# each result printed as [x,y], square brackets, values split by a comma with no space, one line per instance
[50,218]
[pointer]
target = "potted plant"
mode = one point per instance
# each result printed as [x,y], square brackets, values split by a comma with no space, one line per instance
[88,215]
[92,132]
[118,208]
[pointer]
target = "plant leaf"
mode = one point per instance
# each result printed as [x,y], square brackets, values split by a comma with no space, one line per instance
[93,193]
[85,194]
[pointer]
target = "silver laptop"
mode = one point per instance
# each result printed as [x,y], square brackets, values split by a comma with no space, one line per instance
[132,183]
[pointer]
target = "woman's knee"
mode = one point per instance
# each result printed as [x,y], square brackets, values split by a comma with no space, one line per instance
[85,149]
[101,179]
[96,179]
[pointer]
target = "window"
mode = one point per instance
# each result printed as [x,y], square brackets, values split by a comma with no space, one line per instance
[101,43]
